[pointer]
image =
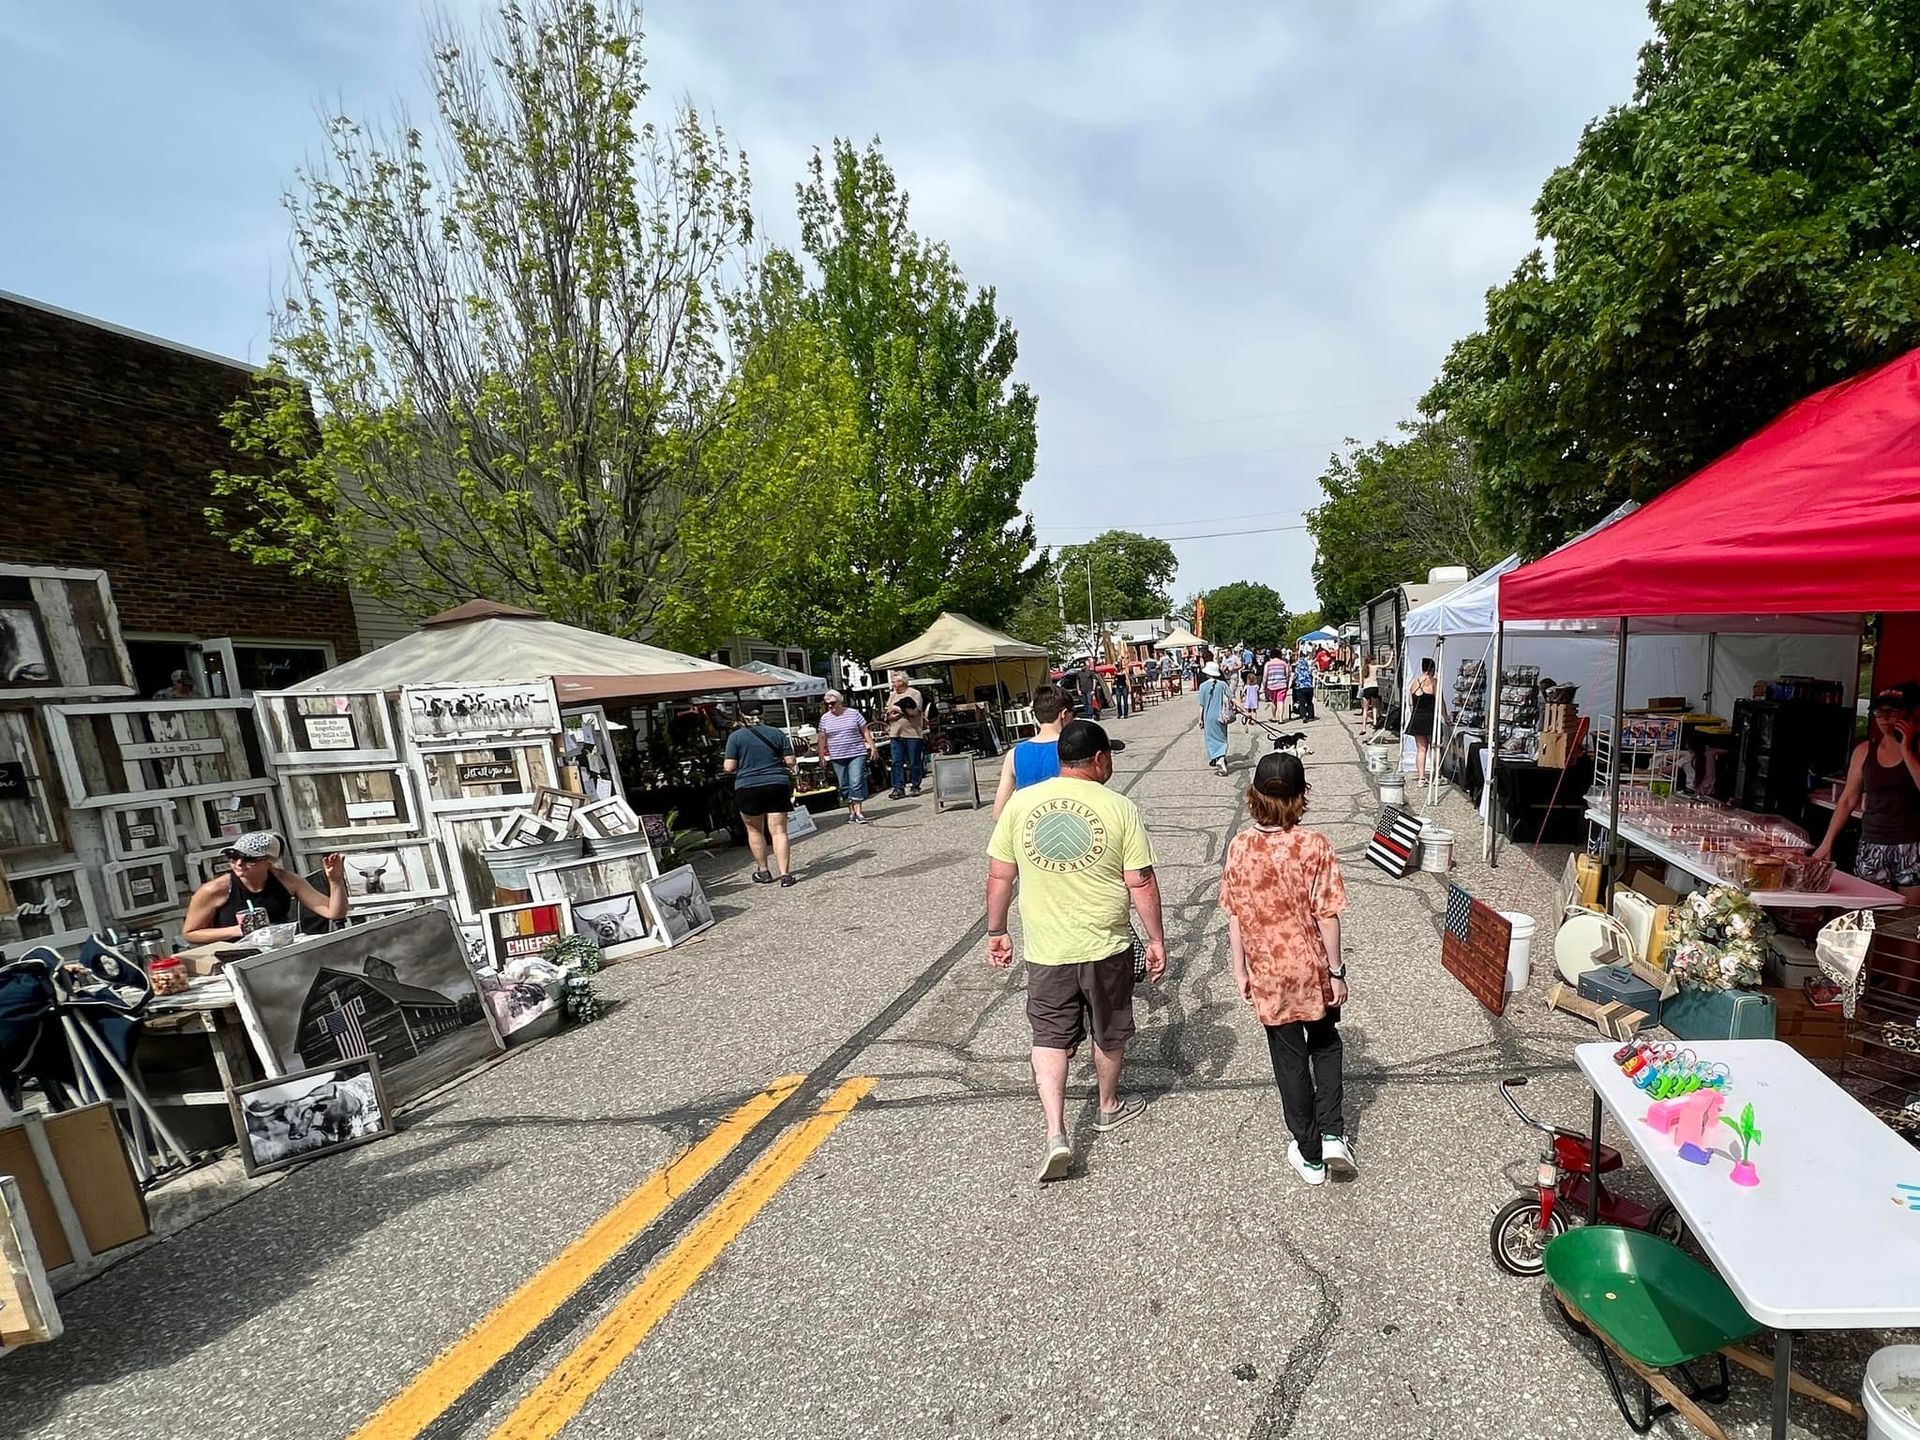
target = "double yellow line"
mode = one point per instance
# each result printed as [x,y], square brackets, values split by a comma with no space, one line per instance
[568,1387]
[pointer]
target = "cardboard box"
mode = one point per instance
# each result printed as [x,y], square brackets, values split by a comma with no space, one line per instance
[93,1166]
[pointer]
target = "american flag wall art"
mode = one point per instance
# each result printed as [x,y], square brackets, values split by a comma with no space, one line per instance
[1395,847]
[1473,947]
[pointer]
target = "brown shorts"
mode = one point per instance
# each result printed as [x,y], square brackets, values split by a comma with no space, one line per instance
[1061,997]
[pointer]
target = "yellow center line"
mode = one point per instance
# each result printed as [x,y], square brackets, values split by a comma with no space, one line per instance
[456,1368]
[559,1397]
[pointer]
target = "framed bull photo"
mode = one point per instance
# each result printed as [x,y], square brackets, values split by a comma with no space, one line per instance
[317,1112]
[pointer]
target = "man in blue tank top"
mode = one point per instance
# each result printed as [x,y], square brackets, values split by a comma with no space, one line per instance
[1032,761]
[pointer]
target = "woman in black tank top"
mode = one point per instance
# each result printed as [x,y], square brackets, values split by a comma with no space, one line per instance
[253,879]
[1885,775]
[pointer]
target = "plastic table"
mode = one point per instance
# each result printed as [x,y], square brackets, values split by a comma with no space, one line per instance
[1848,892]
[1828,1167]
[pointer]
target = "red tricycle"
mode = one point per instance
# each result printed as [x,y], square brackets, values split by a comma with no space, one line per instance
[1524,1226]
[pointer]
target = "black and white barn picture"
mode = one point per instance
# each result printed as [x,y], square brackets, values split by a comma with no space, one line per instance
[398,988]
[305,1116]
[679,905]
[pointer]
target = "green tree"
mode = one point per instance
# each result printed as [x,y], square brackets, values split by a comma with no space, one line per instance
[1394,510]
[1130,574]
[1304,624]
[510,358]
[1245,612]
[935,521]
[1737,235]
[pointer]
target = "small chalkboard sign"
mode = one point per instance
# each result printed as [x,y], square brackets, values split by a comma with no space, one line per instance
[13,781]
[1473,948]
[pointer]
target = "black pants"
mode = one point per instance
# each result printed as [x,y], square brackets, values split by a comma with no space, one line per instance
[1303,702]
[1306,1059]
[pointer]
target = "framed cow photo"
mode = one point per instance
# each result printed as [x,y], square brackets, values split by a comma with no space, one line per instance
[314,1113]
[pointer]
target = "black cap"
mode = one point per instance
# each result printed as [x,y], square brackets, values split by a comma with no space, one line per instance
[1081,740]
[1899,697]
[1280,775]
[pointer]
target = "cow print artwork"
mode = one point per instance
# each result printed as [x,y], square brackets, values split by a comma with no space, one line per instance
[612,920]
[311,1114]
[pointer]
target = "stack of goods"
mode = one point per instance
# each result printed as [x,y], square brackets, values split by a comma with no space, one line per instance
[1754,852]
[1519,711]
[1470,697]
[1559,722]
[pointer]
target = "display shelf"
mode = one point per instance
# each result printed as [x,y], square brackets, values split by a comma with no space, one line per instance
[1848,892]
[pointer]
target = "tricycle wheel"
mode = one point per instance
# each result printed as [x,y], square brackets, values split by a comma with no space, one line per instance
[1667,1224]
[1519,1247]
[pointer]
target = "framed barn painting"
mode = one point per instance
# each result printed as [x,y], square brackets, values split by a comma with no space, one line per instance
[150,750]
[218,818]
[60,635]
[487,777]
[398,988]
[325,729]
[348,804]
[140,887]
[440,715]
[53,905]
[31,816]
[303,1117]
[386,873]
[600,888]
[138,830]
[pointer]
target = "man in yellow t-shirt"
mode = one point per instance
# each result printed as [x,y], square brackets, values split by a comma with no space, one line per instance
[1081,855]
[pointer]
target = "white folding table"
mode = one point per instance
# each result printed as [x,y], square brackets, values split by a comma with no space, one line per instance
[1820,1243]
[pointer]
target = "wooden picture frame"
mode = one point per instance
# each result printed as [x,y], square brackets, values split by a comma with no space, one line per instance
[587,727]
[205,865]
[349,805]
[220,817]
[557,805]
[66,887]
[679,904]
[274,1119]
[594,879]
[32,818]
[60,635]
[383,874]
[125,753]
[506,776]
[141,887]
[464,840]
[29,1314]
[521,932]
[326,729]
[607,819]
[523,827]
[137,831]
[438,716]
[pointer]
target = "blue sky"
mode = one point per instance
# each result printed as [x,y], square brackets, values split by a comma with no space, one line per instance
[1230,235]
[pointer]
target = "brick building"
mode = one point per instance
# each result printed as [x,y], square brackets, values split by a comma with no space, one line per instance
[107,442]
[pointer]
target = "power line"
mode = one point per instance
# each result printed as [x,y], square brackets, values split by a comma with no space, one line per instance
[1216,534]
[1163,524]
[1187,459]
[1236,419]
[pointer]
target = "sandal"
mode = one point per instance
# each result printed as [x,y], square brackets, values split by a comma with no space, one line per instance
[763,877]
[787,882]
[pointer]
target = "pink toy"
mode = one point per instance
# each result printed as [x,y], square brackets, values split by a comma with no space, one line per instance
[1743,1171]
[1688,1120]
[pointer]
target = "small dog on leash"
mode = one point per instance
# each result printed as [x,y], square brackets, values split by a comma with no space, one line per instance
[1294,744]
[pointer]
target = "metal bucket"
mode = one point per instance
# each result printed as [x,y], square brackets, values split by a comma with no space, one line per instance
[510,866]
[634,844]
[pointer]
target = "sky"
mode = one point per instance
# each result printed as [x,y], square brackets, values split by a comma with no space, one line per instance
[1230,236]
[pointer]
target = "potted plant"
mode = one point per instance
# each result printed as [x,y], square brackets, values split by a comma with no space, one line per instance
[1743,1171]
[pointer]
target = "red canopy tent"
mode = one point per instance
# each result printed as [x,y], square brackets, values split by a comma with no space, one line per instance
[1817,513]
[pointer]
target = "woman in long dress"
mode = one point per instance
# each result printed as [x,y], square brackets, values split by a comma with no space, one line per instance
[1216,709]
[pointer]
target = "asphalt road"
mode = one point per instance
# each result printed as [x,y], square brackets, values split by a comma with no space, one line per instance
[873,1258]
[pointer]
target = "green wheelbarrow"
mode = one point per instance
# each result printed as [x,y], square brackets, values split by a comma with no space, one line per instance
[1654,1308]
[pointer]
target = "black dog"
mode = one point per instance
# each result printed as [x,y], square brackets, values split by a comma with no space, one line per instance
[1292,743]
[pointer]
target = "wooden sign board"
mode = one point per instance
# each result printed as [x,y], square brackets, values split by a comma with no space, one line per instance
[151,750]
[1474,938]
[28,1315]
[326,729]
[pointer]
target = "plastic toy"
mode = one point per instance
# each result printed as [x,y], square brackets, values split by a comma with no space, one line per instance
[1688,1120]
[1743,1171]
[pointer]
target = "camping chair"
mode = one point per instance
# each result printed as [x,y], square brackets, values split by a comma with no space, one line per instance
[1653,1307]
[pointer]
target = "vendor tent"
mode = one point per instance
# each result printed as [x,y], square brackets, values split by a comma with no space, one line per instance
[482,641]
[1819,512]
[980,656]
[1179,638]
[785,684]
[1322,636]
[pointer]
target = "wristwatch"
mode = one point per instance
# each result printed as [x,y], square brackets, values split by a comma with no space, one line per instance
[1340,974]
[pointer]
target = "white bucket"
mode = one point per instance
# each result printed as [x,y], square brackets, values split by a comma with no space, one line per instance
[1891,1393]
[1393,791]
[1520,955]
[1379,757]
[1436,849]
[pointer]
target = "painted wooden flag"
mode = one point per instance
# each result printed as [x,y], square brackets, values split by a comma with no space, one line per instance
[1473,948]
[1395,847]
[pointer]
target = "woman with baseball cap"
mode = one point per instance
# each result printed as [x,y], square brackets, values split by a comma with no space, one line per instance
[255,885]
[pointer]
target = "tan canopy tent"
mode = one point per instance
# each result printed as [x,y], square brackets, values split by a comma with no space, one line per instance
[485,641]
[980,656]
[1180,638]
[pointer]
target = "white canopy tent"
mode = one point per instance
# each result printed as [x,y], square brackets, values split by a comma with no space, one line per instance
[1180,638]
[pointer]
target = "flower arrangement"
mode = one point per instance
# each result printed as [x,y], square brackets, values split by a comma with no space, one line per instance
[1720,940]
[580,958]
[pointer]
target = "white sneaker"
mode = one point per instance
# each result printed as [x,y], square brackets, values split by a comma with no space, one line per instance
[1338,1155]
[1312,1174]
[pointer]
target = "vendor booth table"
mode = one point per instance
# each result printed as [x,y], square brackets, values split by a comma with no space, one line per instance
[1847,892]
[1827,1169]
[991,674]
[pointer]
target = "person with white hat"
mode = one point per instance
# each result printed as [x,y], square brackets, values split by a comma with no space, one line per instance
[1216,709]
[226,907]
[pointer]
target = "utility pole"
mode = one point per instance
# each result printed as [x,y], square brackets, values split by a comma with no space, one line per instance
[1093,657]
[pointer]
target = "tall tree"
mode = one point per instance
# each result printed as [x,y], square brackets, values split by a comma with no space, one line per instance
[508,361]
[1736,236]
[936,522]
[1394,510]
[1130,574]
[1245,612]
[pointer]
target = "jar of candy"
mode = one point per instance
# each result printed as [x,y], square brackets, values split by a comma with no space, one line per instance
[168,976]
